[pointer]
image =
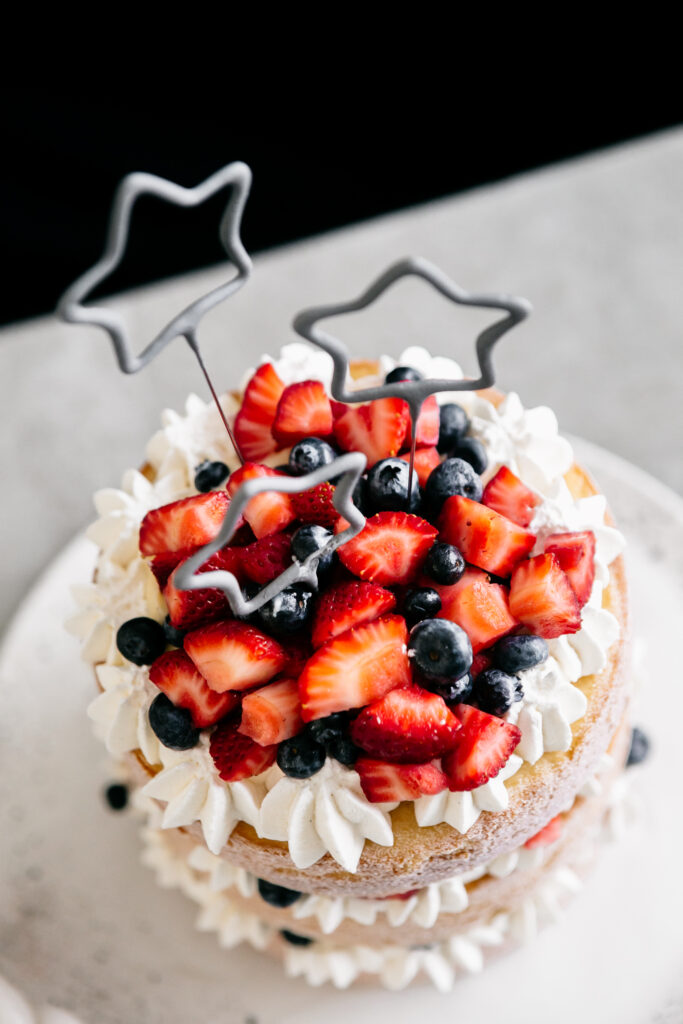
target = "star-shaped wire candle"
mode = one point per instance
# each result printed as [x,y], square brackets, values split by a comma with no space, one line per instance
[347,468]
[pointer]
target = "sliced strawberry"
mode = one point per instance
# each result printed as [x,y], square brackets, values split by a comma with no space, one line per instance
[254,420]
[542,597]
[383,782]
[480,607]
[550,833]
[505,493]
[485,538]
[390,548]
[348,604]
[408,725]
[316,506]
[576,554]
[480,663]
[176,676]
[163,565]
[188,609]
[183,524]
[234,655]
[267,558]
[355,668]
[297,650]
[237,756]
[426,459]
[428,424]
[484,746]
[272,713]
[266,513]
[304,410]
[377,429]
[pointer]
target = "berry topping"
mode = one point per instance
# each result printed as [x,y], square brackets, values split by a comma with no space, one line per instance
[288,611]
[495,692]
[188,609]
[309,454]
[316,505]
[453,691]
[348,604]
[424,603]
[116,795]
[141,640]
[480,663]
[296,940]
[427,424]
[311,538]
[426,460]
[234,655]
[440,648]
[277,895]
[407,725]
[390,548]
[639,749]
[298,651]
[444,563]
[480,607]
[453,425]
[505,493]
[550,833]
[172,726]
[163,565]
[471,450]
[377,429]
[484,746]
[271,714]
[453,476]
[388,487]
[576,554]
[485,538]
[267,558]
[402,373]
[326,730]
[542,597]
[344,750]
[187,523]
[266,513]
[301,756]
[355,668]
[303,410]
[235,755]
[177,677]
[383,782]
[518,653]
[173,636]
[253,421]
[208,475]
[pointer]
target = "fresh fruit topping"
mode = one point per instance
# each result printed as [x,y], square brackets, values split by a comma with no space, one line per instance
[484,746]
[348,604]
[390,548]
[486,539]
[453,476]
[576,554]
[495,692]
[163,565]
[343,749]
[298,650]
[304,409]
[310,453]
[253,421]
[440,648]
[383,782]
[444,563]
[518,653]
[471,450]
[172,726]
[301,756]
[234,655]
[174,636]
[453,425]
[267,558]
[177,677]
[377,429]
[289,611]
[480,607]
[271,714]
[355,668]
[407,725]
[453,691]
[505,493]
[187,523]
[550,833]
[235,755]
[400,373]
[480,663]
[188,609]
[542,597]
[277,895]
[332,733]
[423,603]
[316,505]
[426,460]
[266,513]
[141,640]
[360,496]
[639,749]
[116,795]
[296,940]
[427,424]
[388,487]
[311,538]
[208,475]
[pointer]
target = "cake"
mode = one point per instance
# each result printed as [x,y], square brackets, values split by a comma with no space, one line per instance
[406,772]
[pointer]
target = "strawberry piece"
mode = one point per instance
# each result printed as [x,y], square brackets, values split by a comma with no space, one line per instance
[270,512]
[398,895]
[234,655]
[355,668]
[188,609]
[408,725]
[390,548]
[272,713]
[176,676]
[485,538]
[550,833]
[236,756]
[267,558]
[426,459]
[383,782]
[505,493]
[297,651]
[348,604]
[183,524]
[316,506]
[254,420]
[576,554]
[480,607]
[377,429]
[163,565]
[428,424]
[480,662]
[484,746]
[542,597]
[304,410]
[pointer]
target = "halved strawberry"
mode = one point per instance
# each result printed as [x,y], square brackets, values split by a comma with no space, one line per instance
[272,713]
[505,493]
[254,420]
[480,607]
[163,565]
[355,668]
[315,505]
[269,512]
[188,609]
[348,604]
[484,746]
[485,538]
[176,676]
[234,655]
[428,424]
[303,411]
[377,429]
[383,782]
[426,459]
[550,833]
[237,756]
[390,548]
[409,725]
[187,523]
[267,558]
[297,650]
[576,554]
[542,597]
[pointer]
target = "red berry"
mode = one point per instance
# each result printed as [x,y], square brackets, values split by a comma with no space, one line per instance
[478,606]
[267,558]
[390,549]
[176,676]
[550,833]
[234,655]
[316,505]
[272,713]
[163,565]
[505,493]
[254,420]
[268,512]
[542,597]
[426,459]
[383,782]
[188,609]
[377,429]
[428,423]
[408,725]
[348,604]
[576,554]
[484,537]
[183,524]
[237,756]
[484,746]
[303,411]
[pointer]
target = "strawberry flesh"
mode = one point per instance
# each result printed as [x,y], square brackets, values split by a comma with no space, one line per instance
[272,713]
[484,745]
[542,597]
[348,604]
[428,424]
[254,420]
[377,429]
[505,493]
[237,756]
[426,459]
[576,554]
[183,524]
[234,655]
[408,725]
[485,538]
[268,512]
[390,549]
[550,833]
[303,411]
[163,565]
[383,782]
[478,606]
[177,677]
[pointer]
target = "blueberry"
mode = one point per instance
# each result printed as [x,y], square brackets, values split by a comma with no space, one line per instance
[294,939]
[343,749]
[453,691]
[309,539]
[173,636]
[116,795]
[360,496]
[250,590]
[310,454]
[453,476]
[208,475]
[424,603]
[301,756]
[141,640]
[444,563]
[471,450]
[326,730]
[440,648]
[640,747]
[288,611]
[400,373]
[453,424]
[285,469]
[171,725]
[495,692]
[516,653]
[388,487]
[277,895]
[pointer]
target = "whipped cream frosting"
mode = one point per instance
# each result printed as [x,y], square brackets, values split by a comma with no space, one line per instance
[327,813]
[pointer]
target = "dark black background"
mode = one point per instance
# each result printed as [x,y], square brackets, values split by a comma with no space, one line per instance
[64,158]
